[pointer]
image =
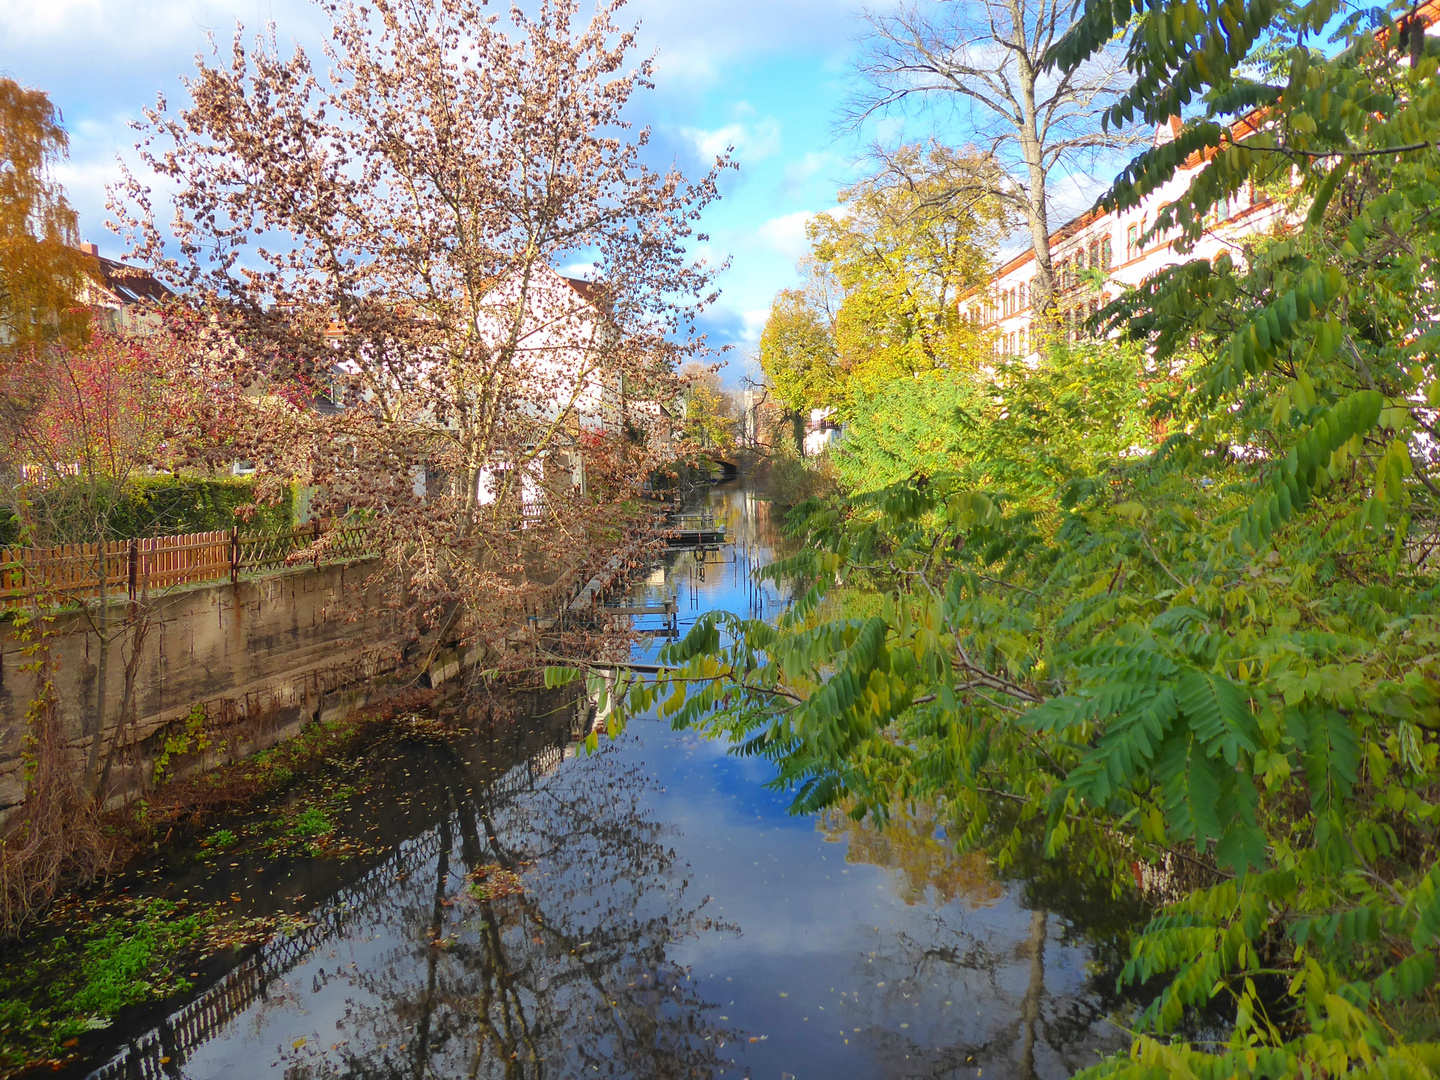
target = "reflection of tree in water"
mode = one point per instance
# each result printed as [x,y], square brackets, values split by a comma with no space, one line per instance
[932,871]
[569,979]
[1002,1019]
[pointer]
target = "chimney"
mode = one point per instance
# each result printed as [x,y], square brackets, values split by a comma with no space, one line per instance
[90,249]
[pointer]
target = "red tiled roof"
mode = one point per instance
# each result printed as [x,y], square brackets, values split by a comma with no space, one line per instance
[587,289]
[130,284]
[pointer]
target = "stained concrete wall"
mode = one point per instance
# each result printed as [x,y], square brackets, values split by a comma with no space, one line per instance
[261,657]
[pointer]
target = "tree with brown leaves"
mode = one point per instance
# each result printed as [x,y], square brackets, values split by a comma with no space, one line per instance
[375,251]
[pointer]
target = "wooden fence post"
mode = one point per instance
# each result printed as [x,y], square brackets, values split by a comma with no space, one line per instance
[134,555]
[234,554]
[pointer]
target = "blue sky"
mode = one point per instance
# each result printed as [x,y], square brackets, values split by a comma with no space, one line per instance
[765,75]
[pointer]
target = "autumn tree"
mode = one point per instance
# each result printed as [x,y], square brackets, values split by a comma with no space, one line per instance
[42,272]
[886,276]
[983,62]
[386,236]
[78,427]
[709,408]
[797,350]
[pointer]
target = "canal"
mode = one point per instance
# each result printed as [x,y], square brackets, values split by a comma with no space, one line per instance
[502,904]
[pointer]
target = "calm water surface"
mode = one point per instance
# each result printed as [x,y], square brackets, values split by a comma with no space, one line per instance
[675,921]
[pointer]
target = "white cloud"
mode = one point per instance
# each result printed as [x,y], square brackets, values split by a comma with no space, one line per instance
[578,270]
[697,40]
[799,173]
[751,142]
[752,322]
[786,234]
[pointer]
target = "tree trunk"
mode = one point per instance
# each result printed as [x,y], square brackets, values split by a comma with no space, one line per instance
[1034,991]
[1037,214]
[1032,149]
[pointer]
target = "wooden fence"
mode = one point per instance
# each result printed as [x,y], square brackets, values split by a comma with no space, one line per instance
[132,568]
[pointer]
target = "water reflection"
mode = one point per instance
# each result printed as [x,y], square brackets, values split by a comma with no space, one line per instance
[568,978]
[674,921]
[914,843]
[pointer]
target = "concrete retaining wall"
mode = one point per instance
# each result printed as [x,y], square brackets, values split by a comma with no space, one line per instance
[260,658]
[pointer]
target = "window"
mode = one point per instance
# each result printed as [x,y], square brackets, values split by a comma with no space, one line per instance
[1105,253]
[1023,351]
[1094,254]
[1132,241]
[1024,299]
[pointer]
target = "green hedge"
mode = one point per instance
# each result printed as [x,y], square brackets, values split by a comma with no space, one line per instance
[169,505]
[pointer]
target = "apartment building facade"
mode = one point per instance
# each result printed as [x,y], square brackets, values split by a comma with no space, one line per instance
[1099,254]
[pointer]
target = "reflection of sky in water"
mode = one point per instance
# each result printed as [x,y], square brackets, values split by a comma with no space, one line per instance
[677,922]
[839,973]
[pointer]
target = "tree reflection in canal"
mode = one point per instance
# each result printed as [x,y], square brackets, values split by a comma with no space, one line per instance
[1034,1021]
[568,978]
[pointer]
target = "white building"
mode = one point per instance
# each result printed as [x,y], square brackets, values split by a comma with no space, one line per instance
[1099,254]
[822,430]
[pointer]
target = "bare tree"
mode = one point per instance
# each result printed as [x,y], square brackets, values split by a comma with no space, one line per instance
[985,59]
[392,238]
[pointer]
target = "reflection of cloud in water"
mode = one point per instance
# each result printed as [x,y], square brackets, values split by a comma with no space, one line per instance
[928,868]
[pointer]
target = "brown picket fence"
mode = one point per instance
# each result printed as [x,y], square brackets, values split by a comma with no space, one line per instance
[73,572]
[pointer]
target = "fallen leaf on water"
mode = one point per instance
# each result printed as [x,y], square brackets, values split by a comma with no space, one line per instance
[298,1043]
